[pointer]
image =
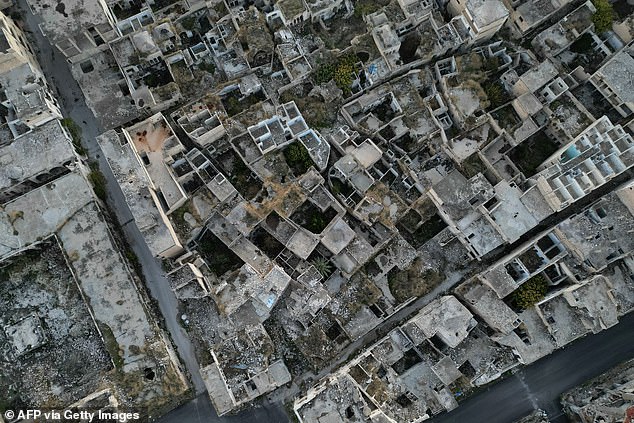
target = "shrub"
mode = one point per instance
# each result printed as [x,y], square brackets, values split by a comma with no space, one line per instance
[413,281]
[98,181]
[75,134]
[343,72]
[362,9]
[323,266]
[530,292]
[324,73]
[207,67]
[297,158]
[603,17]
[189,23]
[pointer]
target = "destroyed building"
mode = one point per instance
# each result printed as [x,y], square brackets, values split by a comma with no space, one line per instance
[72,307]
[310,172]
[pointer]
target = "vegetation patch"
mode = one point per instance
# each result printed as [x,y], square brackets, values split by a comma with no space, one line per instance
[367,7]
[316,112]
[341,187]
[429,229]
[530,292]
[111,344]
[413,281]
[98,182]
[603,17]
[323,266]
[343,72]
[506,117]
[496,94]
[75,134]
[207,67]
[310,217]
[240,176]
[178,218]
[235,105]
[297,158]
[218,256]
[530,154]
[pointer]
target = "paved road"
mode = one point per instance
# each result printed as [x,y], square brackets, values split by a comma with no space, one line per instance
[200,410]
[472,268]
[72,101]
[540,384]
[73,105]
[56,69]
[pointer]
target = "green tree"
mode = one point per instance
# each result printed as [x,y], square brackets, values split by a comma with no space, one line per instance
[324,73]
[316,223]
[297,158]
[603,17]
[343,72]
[496,94]
[323,266]
[362,9]
[530,292]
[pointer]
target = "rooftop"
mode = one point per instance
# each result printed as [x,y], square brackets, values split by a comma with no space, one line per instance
[138,191]
[154,142]
[534,11]
[486,12]
[488,305]
[618,74]
[46,149]
[535,78]
[446,318]
[26,91]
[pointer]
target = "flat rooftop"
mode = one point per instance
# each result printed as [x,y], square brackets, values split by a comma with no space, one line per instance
[39,151]
[66,208]
[25,91]
[486,12]
[447,318]
[136,188]
[618,74]
[67,19]
[155,143]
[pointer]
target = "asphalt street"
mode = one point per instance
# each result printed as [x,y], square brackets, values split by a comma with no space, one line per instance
[56,68]
[200,410]
[537,385]
[541,384]
[73,105]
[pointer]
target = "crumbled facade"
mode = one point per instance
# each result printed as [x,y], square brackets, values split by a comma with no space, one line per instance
[305,170]
[606,397]
[72,307]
